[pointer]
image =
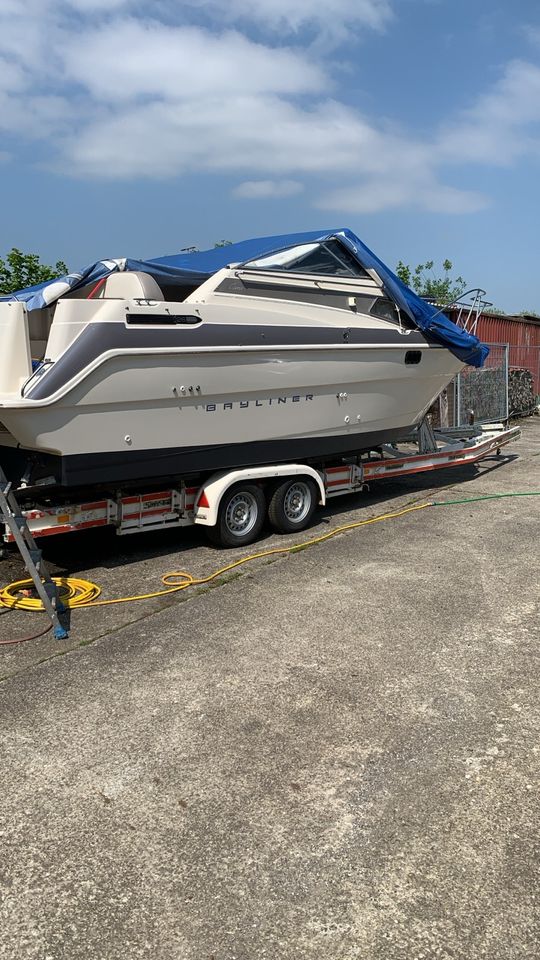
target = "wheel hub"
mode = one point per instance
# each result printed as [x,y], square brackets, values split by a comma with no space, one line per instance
[241,514]
[297,502]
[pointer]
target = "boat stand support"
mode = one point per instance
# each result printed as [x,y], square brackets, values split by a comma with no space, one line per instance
[427,442]
[14,518]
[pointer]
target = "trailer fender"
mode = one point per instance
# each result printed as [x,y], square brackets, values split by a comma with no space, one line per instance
[210,494]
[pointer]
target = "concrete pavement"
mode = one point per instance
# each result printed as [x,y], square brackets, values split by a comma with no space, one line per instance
[334,756]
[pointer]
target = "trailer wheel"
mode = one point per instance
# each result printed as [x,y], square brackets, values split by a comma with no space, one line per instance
[292,504]
[240,516]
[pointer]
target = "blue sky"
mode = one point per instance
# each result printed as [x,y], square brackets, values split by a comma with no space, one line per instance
[136,129]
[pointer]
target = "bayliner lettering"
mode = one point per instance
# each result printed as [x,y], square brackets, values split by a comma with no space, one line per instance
[266,402]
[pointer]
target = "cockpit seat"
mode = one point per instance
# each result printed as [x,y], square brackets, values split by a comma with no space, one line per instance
[129,285]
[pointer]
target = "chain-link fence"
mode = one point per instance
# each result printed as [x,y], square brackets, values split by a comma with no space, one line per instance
[508,385]
[482,394]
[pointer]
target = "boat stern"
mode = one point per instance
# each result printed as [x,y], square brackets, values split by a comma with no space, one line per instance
[15,354]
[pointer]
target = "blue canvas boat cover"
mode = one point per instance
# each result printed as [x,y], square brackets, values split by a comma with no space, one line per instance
[192,268]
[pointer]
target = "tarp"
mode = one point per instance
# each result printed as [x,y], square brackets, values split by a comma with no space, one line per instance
[427,318]
[187,269]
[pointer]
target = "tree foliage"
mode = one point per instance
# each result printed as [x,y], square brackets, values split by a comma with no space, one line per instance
[424,282]
[20,270]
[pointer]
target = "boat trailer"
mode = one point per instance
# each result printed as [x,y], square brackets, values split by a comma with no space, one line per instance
[185,505]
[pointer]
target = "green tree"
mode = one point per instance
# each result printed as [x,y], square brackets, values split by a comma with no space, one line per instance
[442,289]
[20,270]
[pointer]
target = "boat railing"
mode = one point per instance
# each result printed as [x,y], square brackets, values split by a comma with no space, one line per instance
[469,306]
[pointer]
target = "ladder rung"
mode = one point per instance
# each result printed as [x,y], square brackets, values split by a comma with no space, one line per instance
[10,514]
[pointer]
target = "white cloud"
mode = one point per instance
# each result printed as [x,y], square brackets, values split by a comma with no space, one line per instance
[267,189]
[531,32]
[377,194]
[263,134]
[182,63]
[502,124]
[328,18]
[118,95]
[9,8]
[97,6]
[12,76]
[24,38]
[35,117]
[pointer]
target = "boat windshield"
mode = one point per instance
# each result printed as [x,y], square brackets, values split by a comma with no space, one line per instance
[329,258]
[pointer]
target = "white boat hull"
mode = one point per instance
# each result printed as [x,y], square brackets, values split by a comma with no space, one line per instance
[129,408]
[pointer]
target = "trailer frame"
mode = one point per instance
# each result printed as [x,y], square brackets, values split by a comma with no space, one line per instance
[186,504]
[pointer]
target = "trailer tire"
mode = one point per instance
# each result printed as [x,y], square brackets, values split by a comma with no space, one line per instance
[241,516]
[292,504]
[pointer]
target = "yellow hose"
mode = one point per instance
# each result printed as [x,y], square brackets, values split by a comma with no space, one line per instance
[76,593]
[72,592]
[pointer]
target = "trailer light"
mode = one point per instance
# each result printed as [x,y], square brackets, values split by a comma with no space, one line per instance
[203,500]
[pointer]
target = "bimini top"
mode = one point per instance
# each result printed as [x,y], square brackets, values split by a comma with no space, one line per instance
[189,269]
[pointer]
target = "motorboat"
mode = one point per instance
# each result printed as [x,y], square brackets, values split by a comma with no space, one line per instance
[301,347]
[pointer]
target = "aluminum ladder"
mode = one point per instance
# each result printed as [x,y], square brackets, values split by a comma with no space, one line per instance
[13,517]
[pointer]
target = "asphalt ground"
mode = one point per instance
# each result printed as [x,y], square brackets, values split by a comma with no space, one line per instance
[334,755]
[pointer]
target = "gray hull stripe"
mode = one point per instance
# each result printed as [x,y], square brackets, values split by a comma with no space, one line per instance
[102,337]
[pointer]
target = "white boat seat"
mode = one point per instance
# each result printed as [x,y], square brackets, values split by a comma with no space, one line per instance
[130,285]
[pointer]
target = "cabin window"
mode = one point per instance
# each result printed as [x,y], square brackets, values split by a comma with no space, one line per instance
[275,290]
[330,258]
[385,310]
